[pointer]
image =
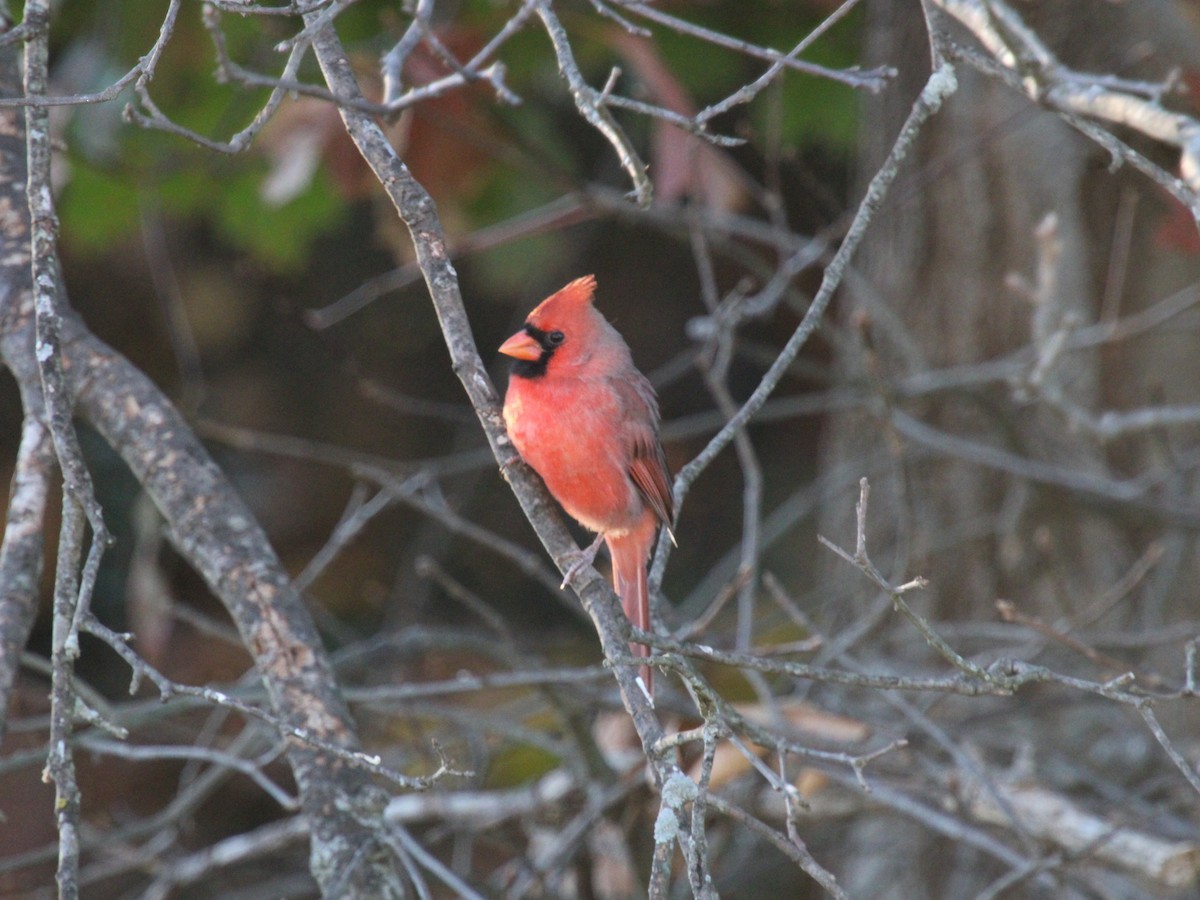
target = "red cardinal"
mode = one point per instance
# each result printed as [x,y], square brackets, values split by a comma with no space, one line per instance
[587,421]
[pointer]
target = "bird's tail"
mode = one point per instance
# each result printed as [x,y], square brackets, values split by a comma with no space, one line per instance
[629,554]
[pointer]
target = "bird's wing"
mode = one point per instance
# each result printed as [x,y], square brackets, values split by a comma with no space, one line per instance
[648,462]
[648,469]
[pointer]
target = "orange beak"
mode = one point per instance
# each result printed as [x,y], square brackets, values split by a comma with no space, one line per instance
[522,346]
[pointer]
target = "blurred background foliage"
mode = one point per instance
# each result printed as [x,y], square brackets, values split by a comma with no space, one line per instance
[469,149]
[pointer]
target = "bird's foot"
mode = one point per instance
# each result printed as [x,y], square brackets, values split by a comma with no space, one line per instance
[583,558]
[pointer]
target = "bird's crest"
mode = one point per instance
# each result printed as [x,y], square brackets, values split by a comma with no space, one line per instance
[566,302]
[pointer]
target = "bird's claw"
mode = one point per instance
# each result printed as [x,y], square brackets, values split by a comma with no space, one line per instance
[582,558]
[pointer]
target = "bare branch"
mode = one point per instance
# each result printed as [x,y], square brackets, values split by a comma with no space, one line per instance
[590,104]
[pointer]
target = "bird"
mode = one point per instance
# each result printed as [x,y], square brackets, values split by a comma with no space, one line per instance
[587,421]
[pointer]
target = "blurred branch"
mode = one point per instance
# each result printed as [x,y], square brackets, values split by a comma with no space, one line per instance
[463,73]
[1033,68]
[942,823]
[715,367]
[790,847]
[559,213]
[216,757]
[22,550]
[1057,820]
[748,92]
[394,60]
[148,114]
[873,80]
[415,488]
[204,864]
[1130,492]
[168,689]
[939,86]
[21,553]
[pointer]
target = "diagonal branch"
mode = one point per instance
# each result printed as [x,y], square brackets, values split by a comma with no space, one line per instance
[214,529]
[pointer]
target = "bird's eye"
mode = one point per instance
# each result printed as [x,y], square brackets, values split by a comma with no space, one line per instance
[555,338]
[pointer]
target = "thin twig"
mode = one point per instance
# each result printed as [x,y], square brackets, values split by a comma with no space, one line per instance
[939,86]
[587,101]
